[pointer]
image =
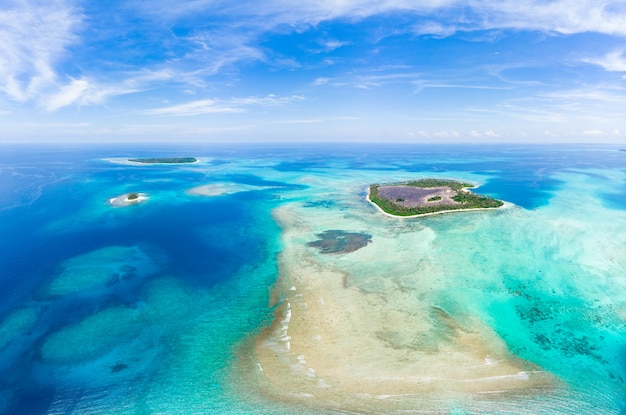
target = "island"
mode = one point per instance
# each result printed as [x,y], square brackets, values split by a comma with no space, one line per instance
[165,160]
[428,196]
[128,199]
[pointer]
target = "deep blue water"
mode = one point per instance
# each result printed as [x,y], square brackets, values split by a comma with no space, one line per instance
[41,186]
[53,207]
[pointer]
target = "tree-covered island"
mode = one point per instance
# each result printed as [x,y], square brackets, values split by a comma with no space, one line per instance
[427,196]
[166,160]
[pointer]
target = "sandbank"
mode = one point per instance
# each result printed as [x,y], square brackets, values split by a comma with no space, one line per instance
[333,346]
[226,188]
[211,190]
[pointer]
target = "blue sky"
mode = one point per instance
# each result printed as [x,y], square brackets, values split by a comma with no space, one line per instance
[323,70]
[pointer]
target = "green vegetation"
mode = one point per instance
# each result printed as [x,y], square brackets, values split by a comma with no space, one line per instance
[167,160]
[474,201]
[434,198]
[428,183]
[133,196]
[465,199]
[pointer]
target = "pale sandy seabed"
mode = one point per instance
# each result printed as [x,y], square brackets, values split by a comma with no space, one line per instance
[219,189]
[351,342]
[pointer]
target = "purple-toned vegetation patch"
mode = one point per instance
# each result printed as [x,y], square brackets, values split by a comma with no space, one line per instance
[412,196]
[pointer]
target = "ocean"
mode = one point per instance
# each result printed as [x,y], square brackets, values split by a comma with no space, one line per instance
[213,296]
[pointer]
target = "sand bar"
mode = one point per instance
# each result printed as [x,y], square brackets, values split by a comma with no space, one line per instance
[334,346]
[224,188]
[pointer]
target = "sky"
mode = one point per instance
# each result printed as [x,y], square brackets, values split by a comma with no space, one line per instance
[313,70]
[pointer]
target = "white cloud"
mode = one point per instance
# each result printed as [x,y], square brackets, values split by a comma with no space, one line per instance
[327,46]
[561,16]
[614,61]
[82,92]
[488,133]
[233,105]
[444,17]
[217,49]
[147,76]
[419,133]
[447,134]
[422,84]
[34,36]
[593,132]
[268,100]
[205,106]
[229,41]
[331,45]
[435,28]
[370,81]
[321,81]
[67,94]
[599,93]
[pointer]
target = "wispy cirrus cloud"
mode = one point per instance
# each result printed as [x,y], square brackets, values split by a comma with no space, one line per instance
[421,84]
[445,17]
[614,61]
[442,16]
[226,40]
[559,16]
[203,106]
[198,40]
[216,49]
[233,105]
[82,92]
[34,37]
[368,80]
[598,93]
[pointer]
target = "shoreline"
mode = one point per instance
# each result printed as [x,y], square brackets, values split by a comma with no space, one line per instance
[507,205]
[124,201]
[127,162]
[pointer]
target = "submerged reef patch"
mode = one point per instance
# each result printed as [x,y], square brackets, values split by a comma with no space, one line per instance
[340,242]
[101,268]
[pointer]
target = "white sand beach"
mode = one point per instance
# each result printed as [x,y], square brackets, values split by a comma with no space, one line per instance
[125,200]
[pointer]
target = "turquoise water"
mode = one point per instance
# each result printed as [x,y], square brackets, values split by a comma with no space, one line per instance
[153,307]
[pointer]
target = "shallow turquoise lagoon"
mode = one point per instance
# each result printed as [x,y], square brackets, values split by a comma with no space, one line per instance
[155,307]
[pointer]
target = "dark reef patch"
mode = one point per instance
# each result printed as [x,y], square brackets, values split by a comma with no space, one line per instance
[118,367]
[340,242]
